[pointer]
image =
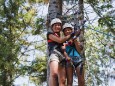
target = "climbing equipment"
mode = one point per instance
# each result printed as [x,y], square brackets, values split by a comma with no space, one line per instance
[76,59]
[55,47]
[52,44]
[66,25]
[72,52]
[56,20]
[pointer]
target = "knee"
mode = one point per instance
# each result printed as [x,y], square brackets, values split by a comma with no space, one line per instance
[54,75]
[63,80]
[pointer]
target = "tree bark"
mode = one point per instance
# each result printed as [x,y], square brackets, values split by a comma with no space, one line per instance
[81,19]
[54,10]
[81,37]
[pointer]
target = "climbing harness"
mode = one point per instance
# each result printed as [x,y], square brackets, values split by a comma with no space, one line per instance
[55,47]
[76,59]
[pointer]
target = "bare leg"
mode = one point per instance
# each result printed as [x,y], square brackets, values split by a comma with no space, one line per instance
[53,73]
[69,71]
[81,80]
[62,75]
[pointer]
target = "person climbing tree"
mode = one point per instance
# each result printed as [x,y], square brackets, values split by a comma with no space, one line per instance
[56,54]
[72,53]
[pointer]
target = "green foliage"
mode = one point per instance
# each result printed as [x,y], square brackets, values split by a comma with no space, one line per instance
[105,7]
[37,1]
[107,20]
[28,17]
[14,22]
[101,8]
[95,2]
[97,56]
[38,72]
[39,26]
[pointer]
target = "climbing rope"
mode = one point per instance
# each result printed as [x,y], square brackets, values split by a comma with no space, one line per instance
[79,25]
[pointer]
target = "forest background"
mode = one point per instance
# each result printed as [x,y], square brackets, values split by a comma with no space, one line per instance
[23,44]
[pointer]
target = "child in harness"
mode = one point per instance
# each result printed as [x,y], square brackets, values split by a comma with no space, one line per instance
[72,53]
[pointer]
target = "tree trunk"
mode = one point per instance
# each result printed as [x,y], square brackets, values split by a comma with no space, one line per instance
[54,11]
[81,37]
[81,19]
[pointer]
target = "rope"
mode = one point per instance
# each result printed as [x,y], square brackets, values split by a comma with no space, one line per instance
[77,13]
[100,32]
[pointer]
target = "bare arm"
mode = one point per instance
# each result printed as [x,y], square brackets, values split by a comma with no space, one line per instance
[78,46]
[57,39]
[64,52]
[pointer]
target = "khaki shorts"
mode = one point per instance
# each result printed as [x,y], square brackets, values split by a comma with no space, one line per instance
[55,57]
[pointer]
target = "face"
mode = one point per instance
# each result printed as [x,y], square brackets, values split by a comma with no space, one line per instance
[56,27]
[67,31]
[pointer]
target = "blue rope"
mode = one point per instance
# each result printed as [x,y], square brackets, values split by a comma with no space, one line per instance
[101,32]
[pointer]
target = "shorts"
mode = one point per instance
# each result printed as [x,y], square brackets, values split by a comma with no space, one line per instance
[56,56]
[53,57]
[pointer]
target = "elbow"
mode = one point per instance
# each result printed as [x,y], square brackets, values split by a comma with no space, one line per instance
[81,47]
[60,41]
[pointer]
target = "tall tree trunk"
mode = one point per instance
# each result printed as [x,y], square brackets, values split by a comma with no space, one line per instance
[81,37]
[54,11]
[81,19]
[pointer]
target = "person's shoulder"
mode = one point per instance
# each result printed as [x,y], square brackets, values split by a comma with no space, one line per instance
[49,33]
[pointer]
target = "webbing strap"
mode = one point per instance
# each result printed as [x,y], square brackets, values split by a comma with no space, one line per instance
[49,40]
